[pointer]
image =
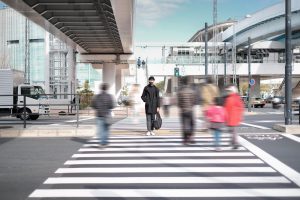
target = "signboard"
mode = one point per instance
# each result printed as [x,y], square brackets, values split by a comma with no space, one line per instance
[252,82]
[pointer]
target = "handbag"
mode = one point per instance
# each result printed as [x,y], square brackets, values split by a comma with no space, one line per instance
[157,121]
[108,119]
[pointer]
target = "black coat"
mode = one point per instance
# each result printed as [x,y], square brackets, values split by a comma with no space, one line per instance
[151,98]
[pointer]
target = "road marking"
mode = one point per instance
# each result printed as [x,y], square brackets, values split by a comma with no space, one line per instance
[213,154]
[189,148]
[204,135]
[272,161]
[155,144]
[164,170]
[268,121]
[162,140]
[183,193]
[169,180]
[81,119]
[256,126]
[292,137]
[164,161]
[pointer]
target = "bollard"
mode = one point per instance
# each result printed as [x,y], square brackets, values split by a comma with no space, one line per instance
[77,110]
[24,111]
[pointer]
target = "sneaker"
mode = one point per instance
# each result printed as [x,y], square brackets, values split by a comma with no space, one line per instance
[235,146]
[152,133]
[148,133]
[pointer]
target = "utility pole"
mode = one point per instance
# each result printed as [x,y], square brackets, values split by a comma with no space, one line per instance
[249,74]
[27,52]
[225,61]
[288,64]
[206,51]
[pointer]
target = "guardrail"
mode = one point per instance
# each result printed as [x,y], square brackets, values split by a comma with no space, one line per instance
[75,105]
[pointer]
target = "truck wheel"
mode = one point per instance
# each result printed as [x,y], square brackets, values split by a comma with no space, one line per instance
[27,114]
[34,117]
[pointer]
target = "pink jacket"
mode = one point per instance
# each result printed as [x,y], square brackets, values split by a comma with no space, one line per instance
[216,114]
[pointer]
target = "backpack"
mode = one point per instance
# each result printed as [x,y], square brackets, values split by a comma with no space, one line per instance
[157,121]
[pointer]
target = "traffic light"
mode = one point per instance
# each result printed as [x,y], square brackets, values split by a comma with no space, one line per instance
[176,72]
[139,62]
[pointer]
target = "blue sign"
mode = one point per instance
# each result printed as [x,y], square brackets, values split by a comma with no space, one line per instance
[252,82]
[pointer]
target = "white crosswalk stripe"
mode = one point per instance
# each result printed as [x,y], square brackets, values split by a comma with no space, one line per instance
[161,167]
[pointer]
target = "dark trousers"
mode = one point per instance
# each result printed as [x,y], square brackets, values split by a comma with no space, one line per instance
[150,119]
[187,124]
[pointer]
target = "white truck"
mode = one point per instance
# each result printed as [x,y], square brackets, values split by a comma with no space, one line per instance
[12,88]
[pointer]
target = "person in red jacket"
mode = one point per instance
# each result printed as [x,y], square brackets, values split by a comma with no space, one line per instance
[234,108]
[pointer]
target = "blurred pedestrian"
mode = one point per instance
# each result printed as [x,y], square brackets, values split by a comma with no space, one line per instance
[209,92]
[166,101]
[186,100]
[216,115]
[234,108]
[152,104]
[103,103]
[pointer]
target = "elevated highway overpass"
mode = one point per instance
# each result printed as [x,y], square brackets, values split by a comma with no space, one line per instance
[101,32]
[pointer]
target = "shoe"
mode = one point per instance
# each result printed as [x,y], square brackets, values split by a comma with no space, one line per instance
[148,133]
[235,146]
[152,133]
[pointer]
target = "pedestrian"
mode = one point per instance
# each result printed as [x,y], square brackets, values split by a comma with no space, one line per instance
[166,104]
[103,103]
[234,108]
[152,104]
[216,115]
[209,92]
[186,100]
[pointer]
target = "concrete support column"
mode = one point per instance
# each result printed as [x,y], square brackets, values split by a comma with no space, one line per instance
[71,63]
[255,90]
[109,76]
[118,81]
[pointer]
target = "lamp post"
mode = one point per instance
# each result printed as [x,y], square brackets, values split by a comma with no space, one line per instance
[249,74]
[288,64]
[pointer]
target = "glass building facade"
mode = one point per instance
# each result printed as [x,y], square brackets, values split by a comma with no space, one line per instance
[44,59]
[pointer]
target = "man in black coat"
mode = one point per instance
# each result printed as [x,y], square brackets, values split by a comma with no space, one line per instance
[152,104]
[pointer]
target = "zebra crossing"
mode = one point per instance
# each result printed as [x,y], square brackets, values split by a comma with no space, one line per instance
[160,167]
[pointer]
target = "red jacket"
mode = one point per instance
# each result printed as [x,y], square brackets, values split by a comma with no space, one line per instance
[234,108]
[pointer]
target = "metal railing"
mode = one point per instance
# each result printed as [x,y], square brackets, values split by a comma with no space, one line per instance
[62,108]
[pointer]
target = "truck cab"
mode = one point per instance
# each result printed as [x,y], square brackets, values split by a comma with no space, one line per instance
[36,102]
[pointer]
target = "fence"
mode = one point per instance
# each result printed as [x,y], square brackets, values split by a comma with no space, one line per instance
[31,107]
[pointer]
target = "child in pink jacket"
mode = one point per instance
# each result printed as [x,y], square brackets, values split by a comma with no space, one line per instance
[216,115]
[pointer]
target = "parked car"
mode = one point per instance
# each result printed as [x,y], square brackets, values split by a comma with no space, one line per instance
[255,102]
[269,99]
[278,100]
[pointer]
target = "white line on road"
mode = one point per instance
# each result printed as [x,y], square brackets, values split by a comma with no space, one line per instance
[256,126]
[124,149]
[161,140]
[155,144]
[164,161]
[81,119]
[169,180]
[164,170]
[272,161]
[183,193]
[213,154]
[292,137]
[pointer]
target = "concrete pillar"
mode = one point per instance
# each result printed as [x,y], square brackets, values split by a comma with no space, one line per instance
[255,90]
[47,63]
[118,81]
[71,63]
[109,76]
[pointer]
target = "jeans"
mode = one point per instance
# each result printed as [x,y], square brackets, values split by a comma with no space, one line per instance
[217,134]
[187,121]
[150,119]
[103,131]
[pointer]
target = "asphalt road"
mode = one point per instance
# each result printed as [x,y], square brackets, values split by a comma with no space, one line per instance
[26,163]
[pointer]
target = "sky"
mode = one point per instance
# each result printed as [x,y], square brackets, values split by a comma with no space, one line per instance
[179,20]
